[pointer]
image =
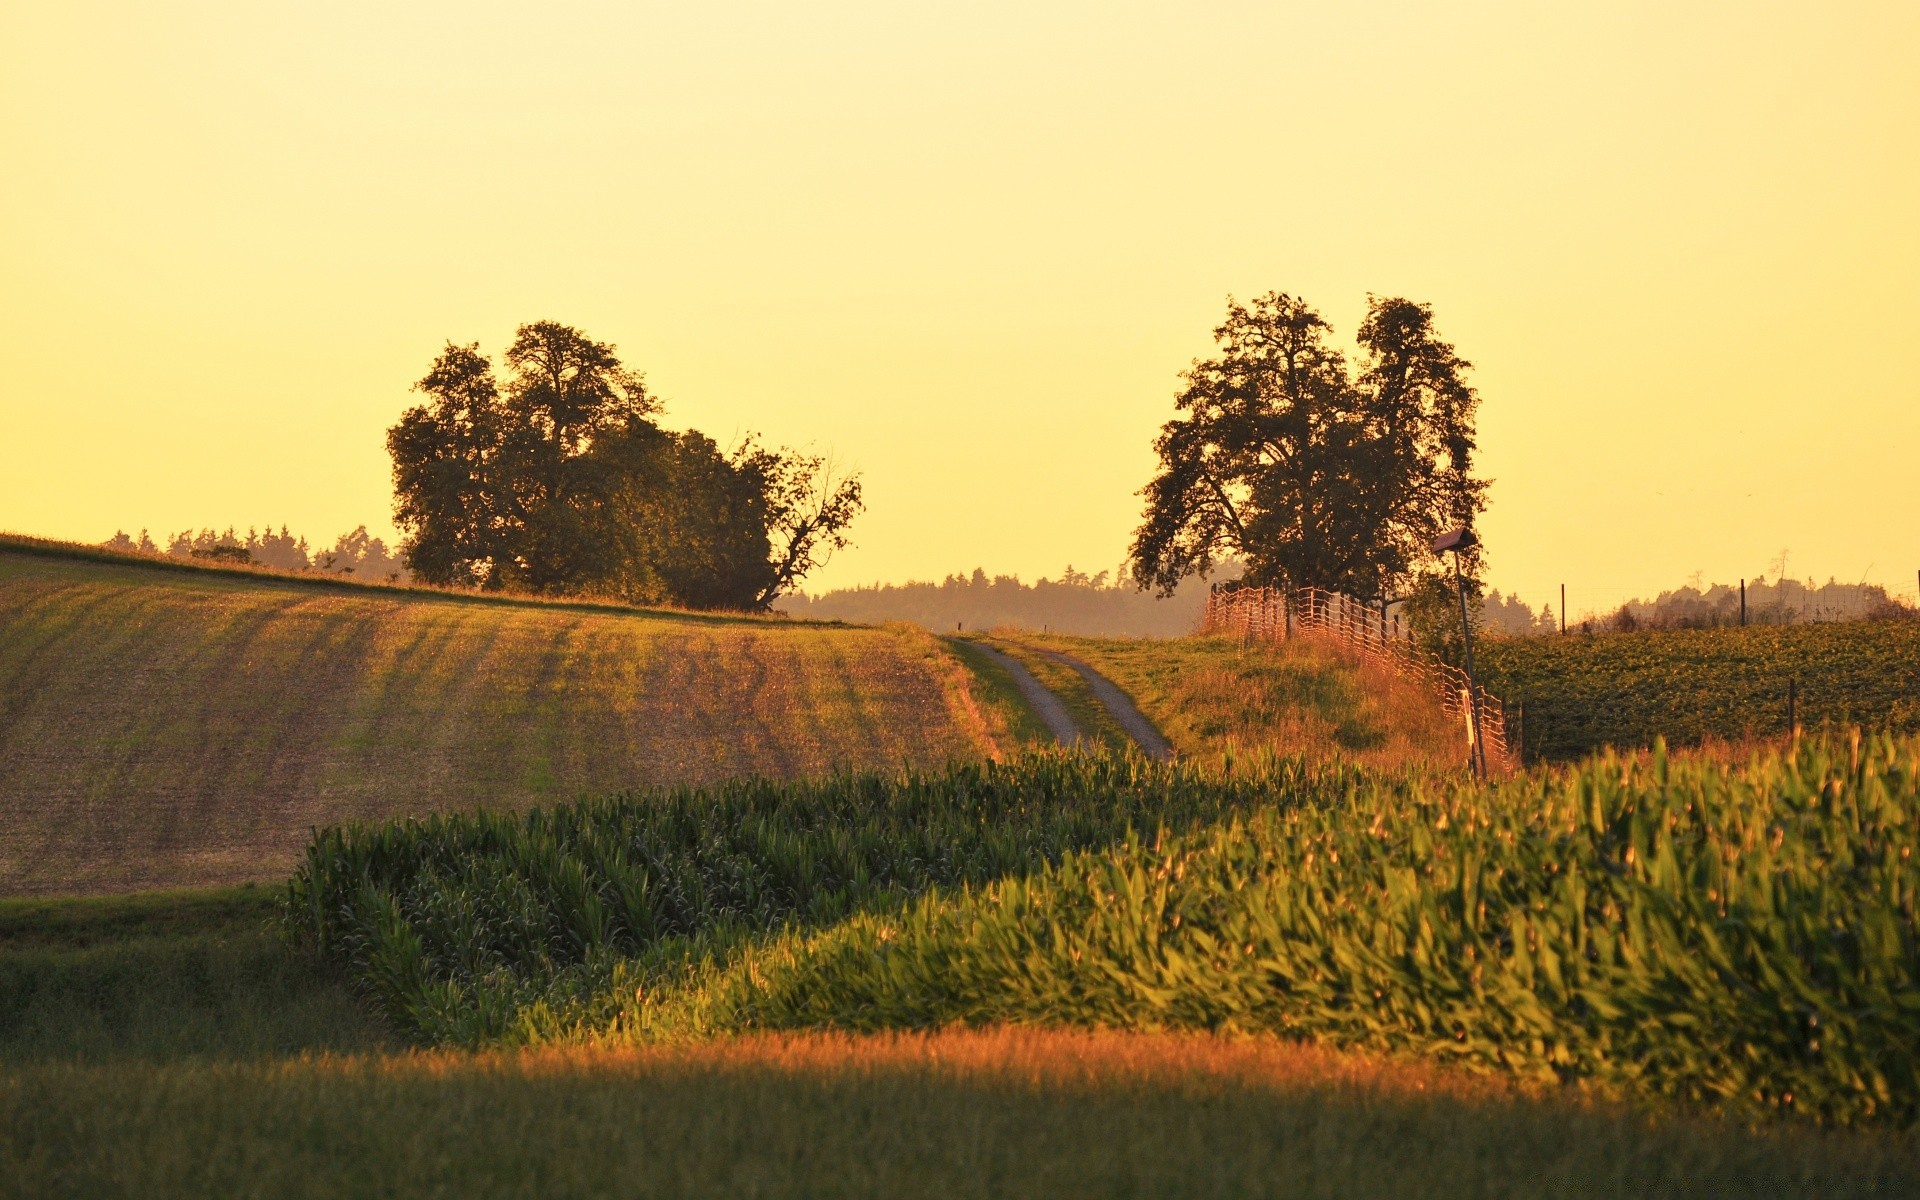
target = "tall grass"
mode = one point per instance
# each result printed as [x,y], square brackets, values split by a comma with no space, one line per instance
[1741,937]
[1213,695]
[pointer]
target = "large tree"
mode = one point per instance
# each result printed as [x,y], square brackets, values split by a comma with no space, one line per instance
[560,481]
[1308,470]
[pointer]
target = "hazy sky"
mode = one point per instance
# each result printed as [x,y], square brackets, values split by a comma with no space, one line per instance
[969,248]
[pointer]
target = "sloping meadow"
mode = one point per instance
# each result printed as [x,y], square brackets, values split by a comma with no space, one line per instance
[1740,937]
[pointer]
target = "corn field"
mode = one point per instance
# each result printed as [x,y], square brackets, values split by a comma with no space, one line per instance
[1275,614]
[1739,937]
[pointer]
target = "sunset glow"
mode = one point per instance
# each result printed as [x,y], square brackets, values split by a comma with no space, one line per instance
[969,249]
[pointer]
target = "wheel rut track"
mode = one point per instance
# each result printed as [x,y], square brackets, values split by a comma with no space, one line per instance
[1047,706]
[1120,707]
[1053,712]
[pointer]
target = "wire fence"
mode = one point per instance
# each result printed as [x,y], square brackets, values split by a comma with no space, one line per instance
[1593,607]
[1277,615]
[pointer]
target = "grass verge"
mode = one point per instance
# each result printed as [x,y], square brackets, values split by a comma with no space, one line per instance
[1003,1114]
[162,977]
[1097,726]
[1214,697]
[1013,723]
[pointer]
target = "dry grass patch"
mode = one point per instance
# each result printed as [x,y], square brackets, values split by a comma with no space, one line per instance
[958,1114]
[1214,696]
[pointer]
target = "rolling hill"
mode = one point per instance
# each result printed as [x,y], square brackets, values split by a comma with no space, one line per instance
[164,727]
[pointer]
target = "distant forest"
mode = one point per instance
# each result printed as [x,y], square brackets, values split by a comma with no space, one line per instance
[1102,605]
[1781,602]
[357,553]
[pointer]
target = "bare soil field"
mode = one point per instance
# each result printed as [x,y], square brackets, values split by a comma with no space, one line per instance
[168,728]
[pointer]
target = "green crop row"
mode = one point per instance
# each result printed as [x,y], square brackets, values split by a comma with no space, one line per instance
[1741,937]
[1585,692]
[457,922]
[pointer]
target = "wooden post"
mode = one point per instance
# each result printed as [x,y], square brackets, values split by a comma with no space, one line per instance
[1472,689]
[1563,610]
[1743,604]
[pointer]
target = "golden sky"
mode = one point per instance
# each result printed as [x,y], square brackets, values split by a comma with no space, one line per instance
[968,248]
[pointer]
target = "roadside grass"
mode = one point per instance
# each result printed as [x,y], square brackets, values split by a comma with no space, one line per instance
[965,1114]
[163,728]
[1695,686]
[1214,698]
[1010,721]
[1097,726]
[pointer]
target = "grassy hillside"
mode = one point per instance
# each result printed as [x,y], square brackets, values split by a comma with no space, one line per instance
[1690,685]
[1212,696]
[165,727]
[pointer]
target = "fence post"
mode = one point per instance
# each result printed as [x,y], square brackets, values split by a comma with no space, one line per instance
[1743,604]
[1563,610]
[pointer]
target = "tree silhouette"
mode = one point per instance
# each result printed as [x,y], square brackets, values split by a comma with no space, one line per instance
[562,482]
[1307,471]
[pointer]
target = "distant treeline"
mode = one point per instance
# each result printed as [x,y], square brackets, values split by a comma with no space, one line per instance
[357,553]
[1102,605]
[1781,602]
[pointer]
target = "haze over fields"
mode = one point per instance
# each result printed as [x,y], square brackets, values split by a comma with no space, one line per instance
[969,250]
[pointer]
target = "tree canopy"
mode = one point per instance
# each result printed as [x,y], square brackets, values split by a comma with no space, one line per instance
[561,481]
[1311,471]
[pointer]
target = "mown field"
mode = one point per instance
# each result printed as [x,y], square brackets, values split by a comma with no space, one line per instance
[162,727]
[1582,692]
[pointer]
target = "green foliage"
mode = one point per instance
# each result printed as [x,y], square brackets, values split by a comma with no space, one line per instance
[1311,473]
[1740,937]
[561,482]
[1744,938]
[458,923]
[1433,610]
[162,976]
[1583,692]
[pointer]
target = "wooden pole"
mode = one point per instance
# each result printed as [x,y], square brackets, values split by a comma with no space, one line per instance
[1563,610]
[1473,690]
[1743,604]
